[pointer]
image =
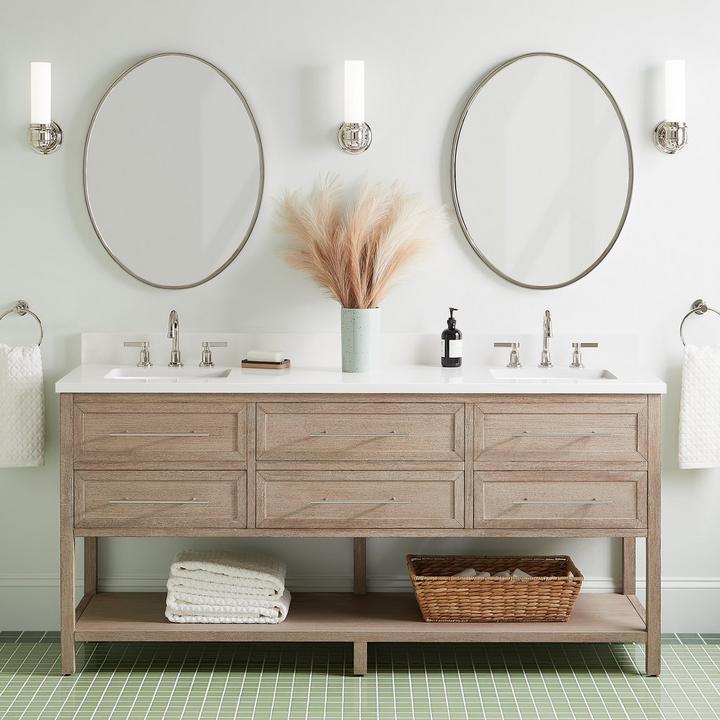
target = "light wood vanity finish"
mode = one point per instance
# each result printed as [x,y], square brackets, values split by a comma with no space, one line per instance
[358,467]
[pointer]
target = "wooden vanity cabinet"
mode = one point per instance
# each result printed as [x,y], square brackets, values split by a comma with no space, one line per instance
[359,466]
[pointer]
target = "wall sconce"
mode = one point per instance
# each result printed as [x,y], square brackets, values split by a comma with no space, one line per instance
[44,135]
[354,135]
[671,133]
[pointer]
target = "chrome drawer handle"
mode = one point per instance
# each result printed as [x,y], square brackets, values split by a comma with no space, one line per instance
[594,501]
[592,433]
[160,502]
[325,433]
[391,501]
[127,433]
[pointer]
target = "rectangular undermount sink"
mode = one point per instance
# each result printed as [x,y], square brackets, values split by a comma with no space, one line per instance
[553,375]
[168,374]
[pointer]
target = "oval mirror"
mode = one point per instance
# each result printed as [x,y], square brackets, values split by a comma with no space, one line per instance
[173,171]
[542,170]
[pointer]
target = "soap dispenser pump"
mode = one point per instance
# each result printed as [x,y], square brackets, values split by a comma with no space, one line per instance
[451,343]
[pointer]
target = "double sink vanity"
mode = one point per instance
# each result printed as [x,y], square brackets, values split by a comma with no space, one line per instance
[415,451]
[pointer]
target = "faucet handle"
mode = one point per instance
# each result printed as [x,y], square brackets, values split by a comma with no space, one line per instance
[577,353]
[206,359]
[514,353]
[144,345]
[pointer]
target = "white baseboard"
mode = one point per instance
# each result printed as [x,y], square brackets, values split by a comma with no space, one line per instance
[30,601]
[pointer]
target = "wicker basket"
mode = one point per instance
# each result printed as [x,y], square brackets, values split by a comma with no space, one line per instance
[548,596]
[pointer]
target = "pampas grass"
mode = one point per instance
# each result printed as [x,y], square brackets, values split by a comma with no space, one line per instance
[356,252]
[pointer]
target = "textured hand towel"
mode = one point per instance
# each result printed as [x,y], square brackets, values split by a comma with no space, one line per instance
[22,407]
[251,575]
[270,613]
[699,445]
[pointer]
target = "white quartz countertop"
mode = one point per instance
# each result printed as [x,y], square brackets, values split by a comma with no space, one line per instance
[389,380]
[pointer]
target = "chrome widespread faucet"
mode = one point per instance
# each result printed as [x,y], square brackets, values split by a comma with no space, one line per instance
[174,335]
[545,361]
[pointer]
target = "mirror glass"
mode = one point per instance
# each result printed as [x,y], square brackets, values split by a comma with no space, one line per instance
[173,171]
[541,170]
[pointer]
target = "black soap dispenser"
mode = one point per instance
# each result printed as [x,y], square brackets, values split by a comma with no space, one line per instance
[451,343]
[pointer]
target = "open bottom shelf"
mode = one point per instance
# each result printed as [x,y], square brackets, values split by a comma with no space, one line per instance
[341,617]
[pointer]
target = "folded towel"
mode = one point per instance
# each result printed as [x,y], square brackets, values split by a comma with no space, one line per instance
[250,575]
[248,611]
[699,445]
[22,407]
[213,589]
[467,572]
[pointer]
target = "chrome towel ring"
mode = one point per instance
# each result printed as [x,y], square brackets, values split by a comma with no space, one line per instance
[22,308]
[698,308]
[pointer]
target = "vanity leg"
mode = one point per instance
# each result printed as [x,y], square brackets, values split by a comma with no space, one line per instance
[90,552]
[359,566]
[67,539]
[359,657]
[653,660]
[629,583]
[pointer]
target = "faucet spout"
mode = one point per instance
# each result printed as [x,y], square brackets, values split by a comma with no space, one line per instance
[545,361]
[174,335]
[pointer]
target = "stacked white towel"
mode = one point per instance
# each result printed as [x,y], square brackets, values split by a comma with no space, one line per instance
[222,587]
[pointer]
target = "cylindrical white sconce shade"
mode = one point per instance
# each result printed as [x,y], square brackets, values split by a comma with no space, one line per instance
[354,91]
[40,93]
[675,91]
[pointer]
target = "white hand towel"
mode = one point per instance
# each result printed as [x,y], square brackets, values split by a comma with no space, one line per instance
[22,407]
[699,445]
[178,612]
[248,573]
[213,589]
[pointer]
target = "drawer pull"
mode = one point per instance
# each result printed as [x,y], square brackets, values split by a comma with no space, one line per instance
[592,433]
[594,501]
[160,502]
[127,433]
[325,433]
[391,501]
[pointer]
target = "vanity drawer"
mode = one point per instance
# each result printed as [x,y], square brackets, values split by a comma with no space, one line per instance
[584,433]
[563,500]
[360,431]
[359,499]
[127,433]
[158,499]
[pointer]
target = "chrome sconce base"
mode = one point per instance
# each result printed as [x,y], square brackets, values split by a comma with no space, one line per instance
[354,138]
[45,139]
[670,136]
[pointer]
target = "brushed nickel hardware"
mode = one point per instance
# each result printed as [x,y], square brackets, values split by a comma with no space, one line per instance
[354,138]
[591,433]
[206,359]
[697,308]
[514,361]
[545,361]
[45,139]
[577,353]
[21,308]
[159,502]
[127,433]
[391,501]
[325,433]
[594,501]
[174,335]
[670,136]
[144,345]
[44,135]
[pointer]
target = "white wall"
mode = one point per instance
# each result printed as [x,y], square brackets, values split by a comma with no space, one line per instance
[422,59]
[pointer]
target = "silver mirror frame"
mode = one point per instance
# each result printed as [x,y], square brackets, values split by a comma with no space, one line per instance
[261,161]
[453,167]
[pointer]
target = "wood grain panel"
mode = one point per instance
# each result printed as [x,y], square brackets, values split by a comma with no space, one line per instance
[160,434]
[366,431]
[152,498]
[556,433]
[560,499]
[355,499]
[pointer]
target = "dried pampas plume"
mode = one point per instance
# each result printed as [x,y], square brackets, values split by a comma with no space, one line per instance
[356,252]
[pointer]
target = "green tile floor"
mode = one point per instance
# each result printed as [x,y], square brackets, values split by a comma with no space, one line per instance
[263,681]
